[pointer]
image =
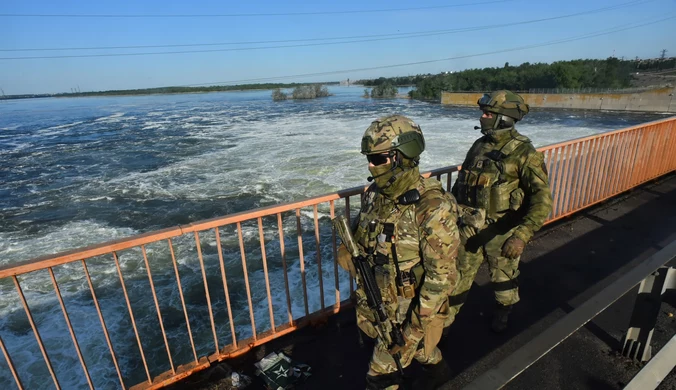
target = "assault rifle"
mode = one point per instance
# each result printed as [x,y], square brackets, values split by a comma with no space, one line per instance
[389,333]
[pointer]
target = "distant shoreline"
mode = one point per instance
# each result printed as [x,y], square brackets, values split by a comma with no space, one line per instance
[166,91]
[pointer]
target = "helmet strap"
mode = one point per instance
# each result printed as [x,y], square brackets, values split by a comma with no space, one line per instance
[504,122]
[496,123]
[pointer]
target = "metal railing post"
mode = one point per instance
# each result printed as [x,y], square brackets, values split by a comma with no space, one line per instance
[636,343]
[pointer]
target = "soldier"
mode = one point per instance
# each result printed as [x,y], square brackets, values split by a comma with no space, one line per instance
[504,198]
[407,231]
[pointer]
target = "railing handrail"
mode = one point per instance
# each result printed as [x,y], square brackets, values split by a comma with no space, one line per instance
[45,261]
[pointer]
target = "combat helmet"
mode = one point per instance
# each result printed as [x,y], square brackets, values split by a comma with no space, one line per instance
[400,141]
[393,133]
[508,106]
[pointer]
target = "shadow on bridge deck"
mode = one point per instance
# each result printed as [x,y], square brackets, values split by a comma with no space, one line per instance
[566,264]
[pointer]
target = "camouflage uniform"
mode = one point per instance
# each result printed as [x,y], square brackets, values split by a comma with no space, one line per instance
[424,243]
[504,196]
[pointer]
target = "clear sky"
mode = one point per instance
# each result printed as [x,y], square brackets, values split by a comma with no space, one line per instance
[327,20]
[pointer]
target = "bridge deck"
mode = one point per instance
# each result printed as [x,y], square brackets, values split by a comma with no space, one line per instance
[565,265]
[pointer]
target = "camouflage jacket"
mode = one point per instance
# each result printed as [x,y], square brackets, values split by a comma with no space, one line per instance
[425,239]
[504,175]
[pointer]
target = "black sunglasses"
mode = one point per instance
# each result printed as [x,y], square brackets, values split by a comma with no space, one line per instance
[378,159]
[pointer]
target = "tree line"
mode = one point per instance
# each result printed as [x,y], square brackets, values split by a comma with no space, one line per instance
[611,73]
[169,90]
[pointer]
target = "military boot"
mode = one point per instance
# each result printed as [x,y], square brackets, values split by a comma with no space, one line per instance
[384,382]
[433,376]
[501,318]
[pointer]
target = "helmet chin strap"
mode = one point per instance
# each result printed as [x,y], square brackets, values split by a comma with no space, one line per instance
[498,121]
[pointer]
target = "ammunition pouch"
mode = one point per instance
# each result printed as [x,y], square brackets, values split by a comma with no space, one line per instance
[501,199]
[408,279]
[461,192]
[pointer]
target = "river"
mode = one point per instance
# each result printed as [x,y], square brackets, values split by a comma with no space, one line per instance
[78,171]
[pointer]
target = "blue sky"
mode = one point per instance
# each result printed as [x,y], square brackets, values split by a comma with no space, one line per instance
[124,72]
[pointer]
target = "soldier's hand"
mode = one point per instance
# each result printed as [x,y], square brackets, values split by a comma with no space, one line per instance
[513,247]
[345,260]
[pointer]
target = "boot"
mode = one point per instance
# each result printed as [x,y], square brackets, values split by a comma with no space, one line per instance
[433,376]
[501,318]
[387,381]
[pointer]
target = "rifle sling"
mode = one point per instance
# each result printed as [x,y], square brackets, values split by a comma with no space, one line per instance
[388,231]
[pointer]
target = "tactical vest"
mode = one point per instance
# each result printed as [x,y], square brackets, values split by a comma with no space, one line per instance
[387,233]
[490,181]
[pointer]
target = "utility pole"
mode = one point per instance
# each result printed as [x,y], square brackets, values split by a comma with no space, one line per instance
[664,54]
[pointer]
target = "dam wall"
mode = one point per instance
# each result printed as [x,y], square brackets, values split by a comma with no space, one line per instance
[658,100]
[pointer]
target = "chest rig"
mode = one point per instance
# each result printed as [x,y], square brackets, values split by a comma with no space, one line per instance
[491,181]
[387,232]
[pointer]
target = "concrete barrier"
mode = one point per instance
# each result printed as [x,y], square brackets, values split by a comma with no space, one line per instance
[658,100]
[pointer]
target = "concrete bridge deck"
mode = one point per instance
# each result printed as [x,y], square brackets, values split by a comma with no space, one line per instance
[566,264]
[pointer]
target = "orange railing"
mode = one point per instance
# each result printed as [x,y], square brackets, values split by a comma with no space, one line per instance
[582,173]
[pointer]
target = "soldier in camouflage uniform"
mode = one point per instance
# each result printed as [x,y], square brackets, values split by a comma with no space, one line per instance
[504,198]
[407,230]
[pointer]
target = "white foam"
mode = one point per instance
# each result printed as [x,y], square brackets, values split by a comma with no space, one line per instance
[151,126]
[110,118]
[17,246]
[283,170]
[67,125]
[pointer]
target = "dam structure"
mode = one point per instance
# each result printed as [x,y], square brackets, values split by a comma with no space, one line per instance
[656,100]
[613,212]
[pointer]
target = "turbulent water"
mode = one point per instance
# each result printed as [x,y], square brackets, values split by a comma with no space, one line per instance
[85,170]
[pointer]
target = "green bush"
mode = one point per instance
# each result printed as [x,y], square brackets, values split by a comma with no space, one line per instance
[278,95]
[310,91]
[384,90]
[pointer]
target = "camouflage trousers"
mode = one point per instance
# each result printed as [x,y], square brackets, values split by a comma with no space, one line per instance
[485,246]
[425,350]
